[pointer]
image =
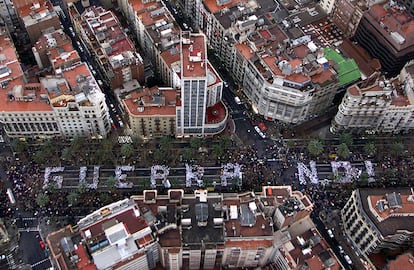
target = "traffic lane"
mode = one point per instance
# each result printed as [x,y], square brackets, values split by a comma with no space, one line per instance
[32,253]
[333,243]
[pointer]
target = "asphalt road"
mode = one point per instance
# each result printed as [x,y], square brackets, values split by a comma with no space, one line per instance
[32,254]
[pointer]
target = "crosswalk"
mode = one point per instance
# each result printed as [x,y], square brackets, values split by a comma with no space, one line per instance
[10,261]
[39,262]
[29,218]
[29,229]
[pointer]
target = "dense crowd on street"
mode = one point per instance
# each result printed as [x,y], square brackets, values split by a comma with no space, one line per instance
[274,165]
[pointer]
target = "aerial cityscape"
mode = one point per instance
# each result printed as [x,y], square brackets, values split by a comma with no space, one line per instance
[226,134]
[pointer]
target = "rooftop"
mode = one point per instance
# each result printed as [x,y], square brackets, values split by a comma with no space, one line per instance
[216,113]
[405,261]
[151,102]
[14,95]
[312,250]
[194,233]
[194,55]
[394,23]
[390,210]
[36,11]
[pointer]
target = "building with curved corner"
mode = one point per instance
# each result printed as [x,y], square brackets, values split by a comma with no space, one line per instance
[375,219]
[378,105]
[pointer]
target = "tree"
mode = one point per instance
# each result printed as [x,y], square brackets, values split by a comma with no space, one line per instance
[40,157]
[343,150]
[158,155]
[42,199]
[77,144]
[81,188]
[346,138]
[127,150]
[370,149]
[51,187]
[19,146]
[165,142]
[225,141]
[397,149]
[290,144]
[111,183]
[104,198]
[73,198]
[218,151]
[187,154]
[315,147]
[66,154]
[195,142]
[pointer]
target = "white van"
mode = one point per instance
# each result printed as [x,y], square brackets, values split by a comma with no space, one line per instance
[237,100]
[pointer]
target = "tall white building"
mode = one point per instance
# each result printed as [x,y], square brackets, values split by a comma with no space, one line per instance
[378,105]
[200,111]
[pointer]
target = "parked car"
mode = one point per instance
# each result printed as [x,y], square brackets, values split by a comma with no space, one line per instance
[42,244]
[330,233]
[348,260]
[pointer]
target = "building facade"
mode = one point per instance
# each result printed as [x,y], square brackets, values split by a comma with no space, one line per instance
[386,32]
[151,111]
[190,231]
[378,105]
[200,110]
[37,17]
[114,52]
[346,14]
[370,219]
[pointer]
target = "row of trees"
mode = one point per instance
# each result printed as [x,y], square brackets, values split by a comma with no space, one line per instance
[316,147]
[109,152]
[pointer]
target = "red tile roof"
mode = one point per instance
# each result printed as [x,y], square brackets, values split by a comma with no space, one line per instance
[216,113]
[151,109]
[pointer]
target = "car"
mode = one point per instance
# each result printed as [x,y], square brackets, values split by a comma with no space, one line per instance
[341,250]
[348,260]
[79,46]
[72,33]
[330,233]
[121,124]
[226,84]
[237,100]
[42,244]
[185,26]
[100,82]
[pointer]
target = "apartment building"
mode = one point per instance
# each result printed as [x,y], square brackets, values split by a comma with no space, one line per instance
[375,219]
[308,250]
[157,35]
[54,50]
[189,231]
[25,111]
[151,111]
[346,14]
[113,51]
[78,103]
[37,17]
[386,32]
[67,104]
[378,105]
[200,110]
